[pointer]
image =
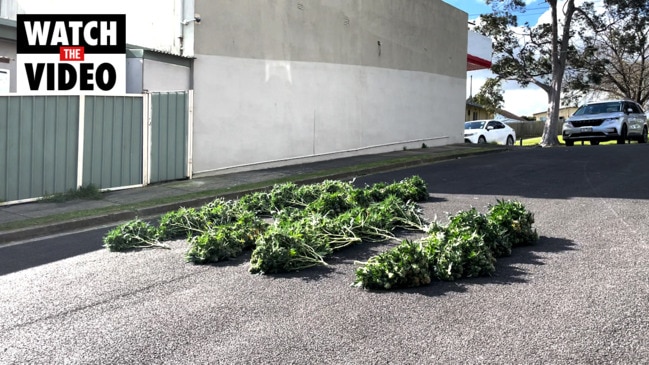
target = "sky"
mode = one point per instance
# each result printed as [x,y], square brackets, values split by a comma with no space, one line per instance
[522,102]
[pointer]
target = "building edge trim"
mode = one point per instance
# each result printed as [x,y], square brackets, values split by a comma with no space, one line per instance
[478,61]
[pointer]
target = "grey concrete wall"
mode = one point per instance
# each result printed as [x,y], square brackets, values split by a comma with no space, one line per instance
[416,35]
[290,81]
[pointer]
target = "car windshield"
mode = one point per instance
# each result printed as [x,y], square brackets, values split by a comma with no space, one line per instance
[599,108]
[474,125]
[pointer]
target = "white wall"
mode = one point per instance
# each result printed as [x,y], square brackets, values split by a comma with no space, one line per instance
[250,112]
[8,50]
[285,82]
[479,45]
[153,24]
[162,76]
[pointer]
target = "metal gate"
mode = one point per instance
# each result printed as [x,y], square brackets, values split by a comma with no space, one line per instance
[112,141]
[169,136]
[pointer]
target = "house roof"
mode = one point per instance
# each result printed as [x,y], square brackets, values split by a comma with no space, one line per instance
[471,102]
[509,115]
[506,114]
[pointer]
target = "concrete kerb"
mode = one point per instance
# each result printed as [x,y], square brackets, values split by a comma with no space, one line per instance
[154,211]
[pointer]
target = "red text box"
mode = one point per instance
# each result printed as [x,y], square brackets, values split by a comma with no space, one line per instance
[71,54]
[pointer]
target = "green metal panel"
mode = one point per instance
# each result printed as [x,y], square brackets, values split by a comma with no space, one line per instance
[38,145]
[112,150]
[169,135]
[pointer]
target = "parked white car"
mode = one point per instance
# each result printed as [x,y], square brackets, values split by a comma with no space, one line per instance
[489,131]
[619,120]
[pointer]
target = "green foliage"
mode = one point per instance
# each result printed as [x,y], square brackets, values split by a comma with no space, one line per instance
[283,248]
[225,238]
[284,195]
[310,222]
[465,247]
[330,203]
[393,213]
[516,220]
[132,235]
[494,236]
[220,211]
[542,55]
[490,95]
[614,60]
[189,222]
[181,223]
[409,189]
[413,188]
[213,245]
[404,266]
[257,202]
[334,215]
[458,253]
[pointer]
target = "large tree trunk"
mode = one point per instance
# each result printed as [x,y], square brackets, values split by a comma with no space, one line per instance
[551,126]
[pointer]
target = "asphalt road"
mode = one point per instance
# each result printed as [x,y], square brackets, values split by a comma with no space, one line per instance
[579,296]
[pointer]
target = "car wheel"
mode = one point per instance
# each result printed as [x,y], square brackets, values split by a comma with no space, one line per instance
[643,137]
[510,140]
[594,143]
[622,138]
[482,140]
[569,142]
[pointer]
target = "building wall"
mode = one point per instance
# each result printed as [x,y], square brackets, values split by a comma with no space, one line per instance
[564,113]
[143,73]
[8,51]
[162,76]
[286,81]
[154,24]
[475,113]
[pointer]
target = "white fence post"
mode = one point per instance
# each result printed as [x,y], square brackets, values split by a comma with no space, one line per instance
[146,138]
[80,149]
[190,132]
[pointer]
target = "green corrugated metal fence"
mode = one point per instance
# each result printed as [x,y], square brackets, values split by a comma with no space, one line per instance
[38,145]
[113,145]
[40,136]
[169,135]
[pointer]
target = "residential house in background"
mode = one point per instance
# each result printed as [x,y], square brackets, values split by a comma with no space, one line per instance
[564,113]
[475,111]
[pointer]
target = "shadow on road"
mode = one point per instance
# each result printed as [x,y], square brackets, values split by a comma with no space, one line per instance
[509,270]
[608,171]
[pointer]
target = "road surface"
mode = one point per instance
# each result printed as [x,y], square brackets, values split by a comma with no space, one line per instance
[579,296]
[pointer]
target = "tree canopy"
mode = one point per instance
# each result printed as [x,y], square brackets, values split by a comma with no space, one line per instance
[619,66]
[582,49]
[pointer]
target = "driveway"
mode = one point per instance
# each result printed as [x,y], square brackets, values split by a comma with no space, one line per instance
[579,296]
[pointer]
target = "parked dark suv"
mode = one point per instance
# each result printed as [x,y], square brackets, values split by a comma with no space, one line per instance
[619,120]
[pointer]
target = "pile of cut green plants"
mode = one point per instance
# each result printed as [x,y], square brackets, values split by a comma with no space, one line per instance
[467,246]
[289,227]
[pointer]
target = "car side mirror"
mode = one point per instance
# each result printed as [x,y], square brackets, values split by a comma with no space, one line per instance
[490,128]
[629,111]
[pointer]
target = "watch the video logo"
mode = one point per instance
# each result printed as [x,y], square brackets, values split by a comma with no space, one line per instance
[71,54]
